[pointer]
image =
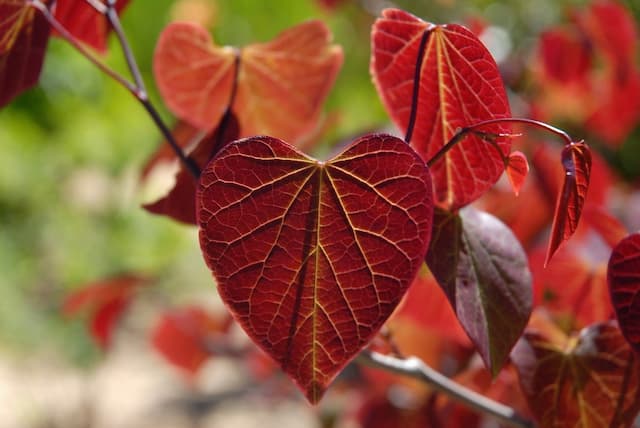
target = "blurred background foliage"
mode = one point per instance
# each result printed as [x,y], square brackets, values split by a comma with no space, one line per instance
[71,152]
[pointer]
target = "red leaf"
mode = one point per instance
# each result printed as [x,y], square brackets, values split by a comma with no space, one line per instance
[180,202]
[566,56]
[294,71]
[517,170]
[483,271]
[185,135]
[105,301]
[24,34]
[623,277]
[607,226]
[576,161]
[84,22]
[592,380]
[459,85]
[312,257]
[182,335]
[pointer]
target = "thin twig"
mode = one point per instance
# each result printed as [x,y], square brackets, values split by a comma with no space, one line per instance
[415,368]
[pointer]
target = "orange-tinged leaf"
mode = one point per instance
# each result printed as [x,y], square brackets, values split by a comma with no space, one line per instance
[592,380]
[458,85]
[576,161]
[24,34]
[105,301]
[312,257]
[607,226]
[84,22]
[293,72]
[623,277]
[517,170]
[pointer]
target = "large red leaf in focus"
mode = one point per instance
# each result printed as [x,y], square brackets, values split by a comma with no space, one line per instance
[105,301]
[24,33]
[312,257]
[293,72]
[84,22]
[576,161]
[180,202]
[459,85]
[623,277]
[592,380]
[483,271]
[183,336]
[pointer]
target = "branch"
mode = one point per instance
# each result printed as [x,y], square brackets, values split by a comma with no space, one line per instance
[415,368]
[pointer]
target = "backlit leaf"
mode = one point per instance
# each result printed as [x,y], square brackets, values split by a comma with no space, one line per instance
[180,202]
[483,271]
[24,34]
[105,302]
[576,161]
[84,22]
[293,72]
[459,85]
[592,380]
[623,277]
[517,170]
[312,257]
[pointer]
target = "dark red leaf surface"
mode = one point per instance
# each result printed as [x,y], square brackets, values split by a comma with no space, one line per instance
[180,202]
[84,22]
[183,336]
[483,271]
[517,170]
[576,161]
[592,380]
[294,71]
[105,302]
[623,277]
[459,85]
[312,257]
[24,34]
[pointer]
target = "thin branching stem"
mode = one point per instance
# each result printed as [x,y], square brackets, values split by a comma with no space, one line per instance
[475,128]
[415,368]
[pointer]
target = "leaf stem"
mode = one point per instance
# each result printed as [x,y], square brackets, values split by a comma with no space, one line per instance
[415,368]
[416,83]
[462,133]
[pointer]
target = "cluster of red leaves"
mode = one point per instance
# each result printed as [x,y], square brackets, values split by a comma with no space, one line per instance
[588,71]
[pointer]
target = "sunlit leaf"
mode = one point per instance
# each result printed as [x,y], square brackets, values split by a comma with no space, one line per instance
[458,85]
[517,170]
[592,380]
[105,302]
[24,34]
[281,84]
[312,257]
[623,277]
[184,336]
[483,271]
[84,22]
[576,161]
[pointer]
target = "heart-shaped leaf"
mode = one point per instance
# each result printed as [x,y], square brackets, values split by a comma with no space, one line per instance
[483,271]
[623,277]
[293,72]
[312,257]
[517,170]
[84,22]
[592,380]
[24,33]
[576,161]
[457,84]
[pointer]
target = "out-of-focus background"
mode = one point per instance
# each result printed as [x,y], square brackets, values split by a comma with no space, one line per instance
[71,155]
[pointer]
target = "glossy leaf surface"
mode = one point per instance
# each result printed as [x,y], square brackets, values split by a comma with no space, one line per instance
[483,271]
[576,161]
[592,380]
[623,277]
[312,257]
[293,72]
[24,34]
[459,85]
[84,22]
